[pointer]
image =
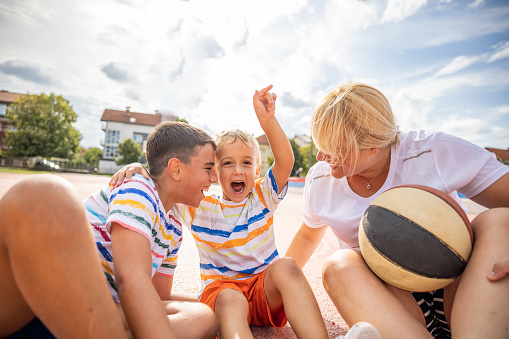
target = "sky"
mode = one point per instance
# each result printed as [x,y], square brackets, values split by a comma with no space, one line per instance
[443,64]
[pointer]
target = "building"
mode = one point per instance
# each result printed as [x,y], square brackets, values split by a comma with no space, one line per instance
[6,99]
[266,152]
[502,154]
[302,140]
[121,125]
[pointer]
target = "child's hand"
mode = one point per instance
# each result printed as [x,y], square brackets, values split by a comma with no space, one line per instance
[127,172]
[264,104]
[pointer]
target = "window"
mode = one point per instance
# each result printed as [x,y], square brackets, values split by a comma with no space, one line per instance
[140,137]
[110,152]
[112,137]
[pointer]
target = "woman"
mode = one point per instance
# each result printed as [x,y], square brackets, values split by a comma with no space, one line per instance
[362,154]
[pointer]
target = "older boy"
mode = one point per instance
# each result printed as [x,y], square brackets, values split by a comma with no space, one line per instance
[63,292]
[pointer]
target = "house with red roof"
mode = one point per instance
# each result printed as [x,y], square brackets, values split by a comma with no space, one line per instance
[121,125]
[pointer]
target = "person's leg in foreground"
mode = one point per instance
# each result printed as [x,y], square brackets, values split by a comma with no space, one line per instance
[474,306]
[49,264]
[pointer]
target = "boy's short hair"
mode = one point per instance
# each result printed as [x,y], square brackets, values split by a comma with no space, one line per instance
[229,136]
[172,139]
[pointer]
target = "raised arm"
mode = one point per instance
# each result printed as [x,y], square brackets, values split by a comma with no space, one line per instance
[264,104]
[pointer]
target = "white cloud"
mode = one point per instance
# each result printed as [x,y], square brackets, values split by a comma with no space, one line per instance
[411,109]
[471,129]
[501,51]
[477,4]
[203,59]
[458,64]
[501,110]
[398,10]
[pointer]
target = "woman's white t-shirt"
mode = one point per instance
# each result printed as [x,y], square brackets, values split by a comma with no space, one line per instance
[433,159]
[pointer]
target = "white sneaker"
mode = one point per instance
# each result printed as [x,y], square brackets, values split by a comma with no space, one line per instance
[361,330]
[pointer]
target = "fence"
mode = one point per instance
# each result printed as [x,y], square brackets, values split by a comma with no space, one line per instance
[38,163]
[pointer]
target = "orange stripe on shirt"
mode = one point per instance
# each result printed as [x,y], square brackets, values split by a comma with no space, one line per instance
[238,242]
[224,277]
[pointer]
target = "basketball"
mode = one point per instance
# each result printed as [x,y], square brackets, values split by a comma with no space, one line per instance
[416,238]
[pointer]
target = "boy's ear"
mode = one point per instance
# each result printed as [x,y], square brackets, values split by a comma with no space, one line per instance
[174,168]
[258,169]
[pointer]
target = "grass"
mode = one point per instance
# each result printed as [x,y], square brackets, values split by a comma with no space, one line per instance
[19,170]
[29,171]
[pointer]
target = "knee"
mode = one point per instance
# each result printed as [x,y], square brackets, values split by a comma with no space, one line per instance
[207,319]
[39,189]
[337,268]
[491,223]
[286,269]
[45,196]
[193,320]
[228,297]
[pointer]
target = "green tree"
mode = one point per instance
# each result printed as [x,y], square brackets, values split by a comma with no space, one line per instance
[92,156]
[181,120]
[42,127]
[299,159]
[129,151]
[309,158]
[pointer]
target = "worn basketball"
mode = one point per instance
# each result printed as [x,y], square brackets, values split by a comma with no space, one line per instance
[416,238]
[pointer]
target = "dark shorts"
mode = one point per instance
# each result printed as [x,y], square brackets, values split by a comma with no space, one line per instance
[432,306]
[34,329]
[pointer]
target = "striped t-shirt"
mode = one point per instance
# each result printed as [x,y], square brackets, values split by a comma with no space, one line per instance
[136,206]
[235,240]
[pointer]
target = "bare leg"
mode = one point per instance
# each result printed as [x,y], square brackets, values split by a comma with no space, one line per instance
[188,319]
[360,296]
[191,319]
[49,263]
[232,310]
[285,285]
[481,307]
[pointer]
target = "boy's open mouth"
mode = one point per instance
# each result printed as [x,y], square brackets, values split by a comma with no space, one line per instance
[238,186]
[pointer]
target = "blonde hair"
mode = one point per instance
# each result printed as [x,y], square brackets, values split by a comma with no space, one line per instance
[229,136]
[351,118]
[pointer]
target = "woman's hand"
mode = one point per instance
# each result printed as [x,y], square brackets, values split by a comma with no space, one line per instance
[126,172]
[500,270]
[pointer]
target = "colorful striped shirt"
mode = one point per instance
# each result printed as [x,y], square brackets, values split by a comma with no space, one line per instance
[136,206]
[235,240]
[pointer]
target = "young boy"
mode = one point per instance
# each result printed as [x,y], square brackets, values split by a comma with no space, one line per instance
[244,280]
[137,237]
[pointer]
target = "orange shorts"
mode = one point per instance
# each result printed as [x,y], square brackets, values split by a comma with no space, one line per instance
[252,288]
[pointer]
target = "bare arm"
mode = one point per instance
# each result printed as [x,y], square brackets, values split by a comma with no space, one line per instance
[140,301]
[496,195]
[304,243]
[163,284]
[264,104]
